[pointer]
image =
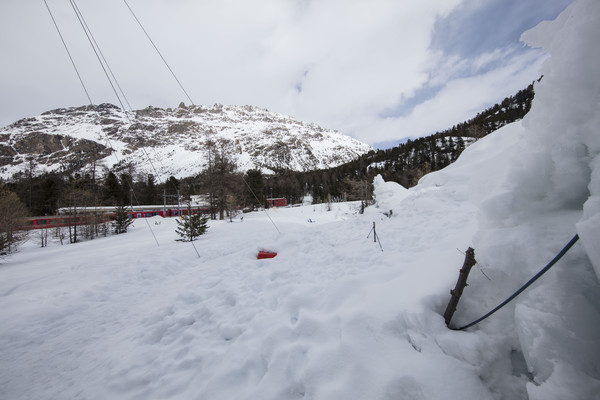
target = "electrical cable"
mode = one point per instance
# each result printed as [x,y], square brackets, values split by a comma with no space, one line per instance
[526,285]
[83,25]
[86,28]
[158,51]
[69,53]
[264,209]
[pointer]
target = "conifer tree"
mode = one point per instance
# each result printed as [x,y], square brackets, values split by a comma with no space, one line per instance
[122,220]
[150,192]
[111,191]
[255,187]
[190,226]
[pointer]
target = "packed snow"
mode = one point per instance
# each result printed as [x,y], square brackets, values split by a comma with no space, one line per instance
[336,315]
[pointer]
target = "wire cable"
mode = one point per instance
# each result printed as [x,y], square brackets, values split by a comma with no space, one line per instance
[102,55]
[158,51]
[526,285]
[264,209]
[87,28]
[88,35]
[69,53]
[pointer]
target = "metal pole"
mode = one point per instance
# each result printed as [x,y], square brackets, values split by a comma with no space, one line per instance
[374,234]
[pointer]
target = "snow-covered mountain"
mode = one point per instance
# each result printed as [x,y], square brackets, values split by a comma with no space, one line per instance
[169,141]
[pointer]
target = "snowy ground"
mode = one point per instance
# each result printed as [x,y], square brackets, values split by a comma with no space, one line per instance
[333,316]
[123,318]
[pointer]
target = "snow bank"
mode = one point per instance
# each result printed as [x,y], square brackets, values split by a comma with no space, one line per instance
[564,123]
[388,195]
[533,206]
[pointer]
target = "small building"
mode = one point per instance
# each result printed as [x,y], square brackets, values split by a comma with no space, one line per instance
[277,202]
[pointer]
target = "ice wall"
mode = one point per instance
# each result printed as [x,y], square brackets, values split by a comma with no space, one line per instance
[565,121]
[546,189]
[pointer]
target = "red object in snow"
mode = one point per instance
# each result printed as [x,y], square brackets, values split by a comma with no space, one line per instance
[265,254]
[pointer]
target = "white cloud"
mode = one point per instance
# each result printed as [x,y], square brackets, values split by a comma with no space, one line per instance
[340,63]
[458,100]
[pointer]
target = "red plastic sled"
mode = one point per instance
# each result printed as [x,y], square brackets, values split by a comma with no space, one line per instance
[265,254]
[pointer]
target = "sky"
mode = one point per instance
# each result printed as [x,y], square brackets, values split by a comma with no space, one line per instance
[380,71]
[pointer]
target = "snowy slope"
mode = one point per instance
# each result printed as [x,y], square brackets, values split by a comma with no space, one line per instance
[333,316]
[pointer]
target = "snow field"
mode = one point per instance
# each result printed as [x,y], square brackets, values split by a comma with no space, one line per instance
[133,320]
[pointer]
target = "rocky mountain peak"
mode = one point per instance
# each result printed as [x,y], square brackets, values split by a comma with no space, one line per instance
[171,141]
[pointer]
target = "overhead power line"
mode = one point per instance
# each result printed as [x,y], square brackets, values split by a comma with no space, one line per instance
[97,52]
[158,51]
[97,46]
[69,53]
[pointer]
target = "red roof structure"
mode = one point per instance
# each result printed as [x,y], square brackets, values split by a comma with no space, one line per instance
[277,202]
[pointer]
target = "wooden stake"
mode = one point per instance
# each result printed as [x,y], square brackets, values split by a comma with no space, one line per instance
[460,285]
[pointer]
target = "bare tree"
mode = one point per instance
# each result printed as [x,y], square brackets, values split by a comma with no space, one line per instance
[75,199]
[12,214]
[221,181]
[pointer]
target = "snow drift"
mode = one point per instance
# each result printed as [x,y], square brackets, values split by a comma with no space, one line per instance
[333,316]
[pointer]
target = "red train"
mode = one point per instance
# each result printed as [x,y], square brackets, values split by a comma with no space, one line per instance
[90,215]
[57,221]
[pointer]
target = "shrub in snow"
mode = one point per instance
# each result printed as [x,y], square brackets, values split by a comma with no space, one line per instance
[190,226]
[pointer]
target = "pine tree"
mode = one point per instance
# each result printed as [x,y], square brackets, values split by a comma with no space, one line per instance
[122,220]
[111,191]
[150,190]
[190,226]
[254,195]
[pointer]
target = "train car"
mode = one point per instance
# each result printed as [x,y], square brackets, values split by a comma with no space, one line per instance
[59,221]
[90,215]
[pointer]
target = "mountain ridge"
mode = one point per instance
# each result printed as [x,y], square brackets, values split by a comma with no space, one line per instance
[179,140]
